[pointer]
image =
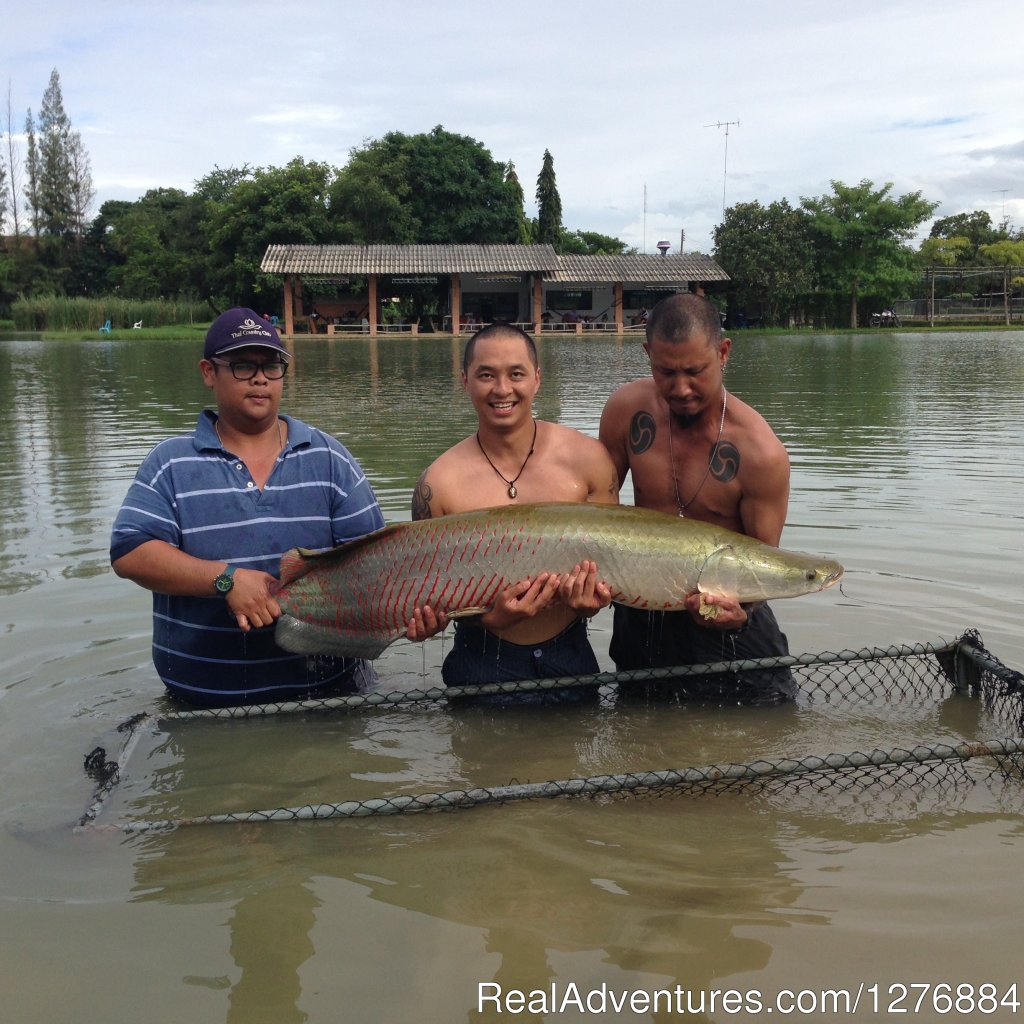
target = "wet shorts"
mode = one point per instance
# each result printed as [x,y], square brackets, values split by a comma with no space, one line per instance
[645,639]
[478,656]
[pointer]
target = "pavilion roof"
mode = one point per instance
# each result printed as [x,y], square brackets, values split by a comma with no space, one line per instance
[637,268]
[343,260]
[323,260]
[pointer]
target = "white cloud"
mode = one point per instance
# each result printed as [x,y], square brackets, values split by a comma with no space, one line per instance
[890,91]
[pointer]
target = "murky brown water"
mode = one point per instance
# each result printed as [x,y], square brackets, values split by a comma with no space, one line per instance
[908,456]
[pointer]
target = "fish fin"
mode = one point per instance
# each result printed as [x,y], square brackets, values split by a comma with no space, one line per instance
[299,561]
[466,613]
[301,637]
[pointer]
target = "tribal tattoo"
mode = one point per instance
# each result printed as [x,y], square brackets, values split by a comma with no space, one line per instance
[642,429]
[421,496]
[726,462]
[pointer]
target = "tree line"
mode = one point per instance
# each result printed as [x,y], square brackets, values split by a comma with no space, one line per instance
[832,256]
[823,259]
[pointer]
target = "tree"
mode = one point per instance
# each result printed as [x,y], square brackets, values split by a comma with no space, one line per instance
[274,205]
[943,252]
[152,248]
[974,229]
[519,199]
[768,253]
[861,235]
[1007,254]
[54,128]
[3,195]
[429,188]
[549,204]
[12,165]
[593,243]
[32,171]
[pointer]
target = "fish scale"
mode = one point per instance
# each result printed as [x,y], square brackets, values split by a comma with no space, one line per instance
[357,598]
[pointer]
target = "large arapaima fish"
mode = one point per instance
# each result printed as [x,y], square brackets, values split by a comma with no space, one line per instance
[357,598]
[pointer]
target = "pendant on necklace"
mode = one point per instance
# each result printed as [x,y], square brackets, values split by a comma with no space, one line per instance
[682,513]
[512,492]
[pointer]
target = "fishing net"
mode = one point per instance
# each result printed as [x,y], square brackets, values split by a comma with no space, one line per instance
[886,683]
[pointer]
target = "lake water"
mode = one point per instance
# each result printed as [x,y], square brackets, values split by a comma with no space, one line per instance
[908,467]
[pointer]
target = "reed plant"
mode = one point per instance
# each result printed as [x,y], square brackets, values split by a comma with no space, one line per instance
[74,313]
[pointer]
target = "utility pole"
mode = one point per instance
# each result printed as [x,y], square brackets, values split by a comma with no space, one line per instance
[725,167]
[1002,222]
[645,218]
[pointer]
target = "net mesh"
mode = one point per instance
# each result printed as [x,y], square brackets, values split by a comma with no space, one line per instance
[890,681]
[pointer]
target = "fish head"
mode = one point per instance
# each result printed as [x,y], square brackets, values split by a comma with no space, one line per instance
[759,572]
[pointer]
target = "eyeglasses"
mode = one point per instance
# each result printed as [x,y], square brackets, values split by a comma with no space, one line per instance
[272,369]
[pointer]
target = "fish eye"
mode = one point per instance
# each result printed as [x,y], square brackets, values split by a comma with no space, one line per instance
[810,574]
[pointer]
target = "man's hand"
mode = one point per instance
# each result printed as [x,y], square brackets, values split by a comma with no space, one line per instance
[521,601]
[425,623]
[583,592]
[715,611]
[251,600]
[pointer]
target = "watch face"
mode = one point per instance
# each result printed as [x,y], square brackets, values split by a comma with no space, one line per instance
[223,583]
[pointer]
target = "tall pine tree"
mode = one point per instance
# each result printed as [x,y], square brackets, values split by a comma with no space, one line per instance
[549,204]
[64,179]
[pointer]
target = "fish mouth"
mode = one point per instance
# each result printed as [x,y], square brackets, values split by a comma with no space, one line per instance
[832,577]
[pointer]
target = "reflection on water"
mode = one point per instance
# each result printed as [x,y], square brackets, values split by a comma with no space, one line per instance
[907,455]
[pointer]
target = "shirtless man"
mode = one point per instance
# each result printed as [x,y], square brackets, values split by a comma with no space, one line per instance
[695,450]
[537,627]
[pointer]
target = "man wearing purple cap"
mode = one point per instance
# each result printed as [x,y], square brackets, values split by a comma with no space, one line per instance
[209,515]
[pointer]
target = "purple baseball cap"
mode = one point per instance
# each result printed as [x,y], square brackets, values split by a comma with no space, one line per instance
[242,328]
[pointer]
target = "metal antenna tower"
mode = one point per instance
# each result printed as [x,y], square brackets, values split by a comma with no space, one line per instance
[1002,222]
[725,167]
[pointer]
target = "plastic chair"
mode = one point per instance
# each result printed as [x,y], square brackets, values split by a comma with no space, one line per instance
[105,329]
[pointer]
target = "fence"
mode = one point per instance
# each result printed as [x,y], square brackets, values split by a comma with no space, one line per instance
[920,674]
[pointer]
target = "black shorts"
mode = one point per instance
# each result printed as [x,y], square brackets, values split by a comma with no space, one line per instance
[478,656]
[646,639]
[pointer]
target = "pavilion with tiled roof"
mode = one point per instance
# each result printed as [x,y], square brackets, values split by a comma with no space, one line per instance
[526,284]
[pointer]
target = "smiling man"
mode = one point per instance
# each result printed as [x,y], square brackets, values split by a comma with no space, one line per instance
[209,515]
[537,628]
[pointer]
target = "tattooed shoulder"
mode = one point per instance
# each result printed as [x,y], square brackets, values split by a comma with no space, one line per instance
[642,429]
[421,497]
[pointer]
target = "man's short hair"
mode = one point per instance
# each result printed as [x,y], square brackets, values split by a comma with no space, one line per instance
[681,316]
[498,331]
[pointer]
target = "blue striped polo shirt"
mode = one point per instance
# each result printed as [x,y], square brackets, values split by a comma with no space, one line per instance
[195,495]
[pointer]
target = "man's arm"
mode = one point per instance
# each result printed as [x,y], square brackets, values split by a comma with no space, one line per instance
[765,501]
[422,495]
[602,474]
[165,569]
[613,434]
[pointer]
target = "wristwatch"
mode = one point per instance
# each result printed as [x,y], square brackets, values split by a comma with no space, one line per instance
[224,581]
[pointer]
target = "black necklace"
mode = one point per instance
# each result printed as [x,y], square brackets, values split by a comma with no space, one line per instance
[512,492]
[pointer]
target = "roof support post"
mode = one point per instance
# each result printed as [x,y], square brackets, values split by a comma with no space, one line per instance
[538,302]
[620,322]
[374,305]
[456,304]
[289,314]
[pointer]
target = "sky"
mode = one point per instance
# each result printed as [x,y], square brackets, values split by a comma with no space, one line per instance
[656,113]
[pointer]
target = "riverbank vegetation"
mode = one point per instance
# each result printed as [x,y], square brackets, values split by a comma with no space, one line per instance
[829,261]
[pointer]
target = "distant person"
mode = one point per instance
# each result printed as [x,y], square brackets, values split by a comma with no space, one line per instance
[537,627]
[209,515]
[695,450]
